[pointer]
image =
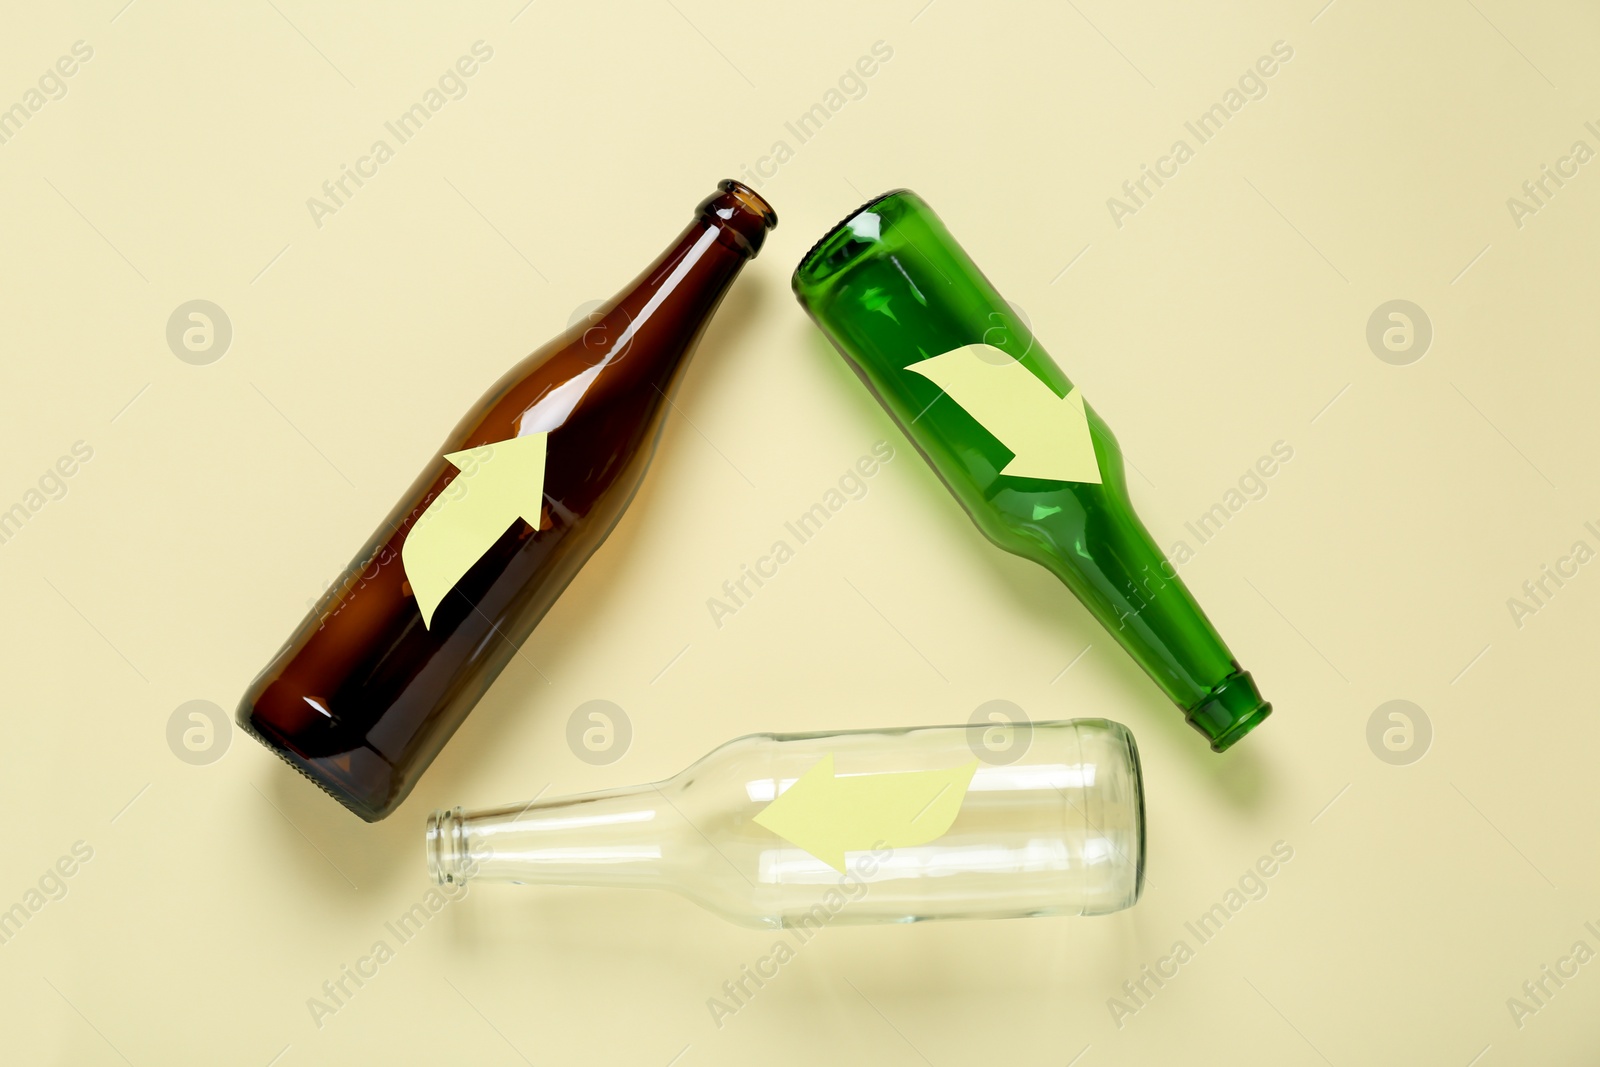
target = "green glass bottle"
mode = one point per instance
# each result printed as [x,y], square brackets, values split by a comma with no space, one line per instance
[1003,427]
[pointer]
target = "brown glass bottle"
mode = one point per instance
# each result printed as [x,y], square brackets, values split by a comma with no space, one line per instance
[366,693]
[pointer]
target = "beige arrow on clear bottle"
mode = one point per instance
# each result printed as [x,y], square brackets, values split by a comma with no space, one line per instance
[776,830]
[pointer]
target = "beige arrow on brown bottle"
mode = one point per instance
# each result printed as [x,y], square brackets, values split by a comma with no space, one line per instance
[498,484]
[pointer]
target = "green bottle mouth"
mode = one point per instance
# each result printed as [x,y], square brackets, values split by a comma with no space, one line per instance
[1230,710]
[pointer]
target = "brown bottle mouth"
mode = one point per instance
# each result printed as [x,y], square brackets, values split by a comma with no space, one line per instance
[751,200]
[741,213]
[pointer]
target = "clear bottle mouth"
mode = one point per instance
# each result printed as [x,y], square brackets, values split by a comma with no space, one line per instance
[448,857]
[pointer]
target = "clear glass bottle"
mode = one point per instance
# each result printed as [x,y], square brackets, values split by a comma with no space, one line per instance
[898,825]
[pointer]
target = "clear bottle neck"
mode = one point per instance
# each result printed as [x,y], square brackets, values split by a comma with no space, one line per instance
[611,838]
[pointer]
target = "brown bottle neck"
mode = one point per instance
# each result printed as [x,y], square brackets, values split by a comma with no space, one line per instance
[677,294]
[641,337]
[674,298]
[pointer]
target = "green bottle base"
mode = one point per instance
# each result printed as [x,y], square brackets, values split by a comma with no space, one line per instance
[1232,709]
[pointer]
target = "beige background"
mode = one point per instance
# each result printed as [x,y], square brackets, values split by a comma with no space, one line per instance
[1227,314]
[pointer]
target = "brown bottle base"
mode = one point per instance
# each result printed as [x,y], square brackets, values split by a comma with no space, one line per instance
[315,774]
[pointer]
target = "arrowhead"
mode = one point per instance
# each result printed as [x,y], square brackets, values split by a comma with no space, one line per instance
[513,470]
[1059,449]
[498,484]
[809,814]
[1048,435]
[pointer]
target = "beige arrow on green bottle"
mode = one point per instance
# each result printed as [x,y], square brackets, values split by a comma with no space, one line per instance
[1049,434]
